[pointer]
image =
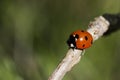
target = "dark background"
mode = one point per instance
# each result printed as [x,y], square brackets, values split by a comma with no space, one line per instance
[33,36]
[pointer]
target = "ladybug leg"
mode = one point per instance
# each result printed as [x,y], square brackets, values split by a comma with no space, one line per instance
[72,48]
[83,52]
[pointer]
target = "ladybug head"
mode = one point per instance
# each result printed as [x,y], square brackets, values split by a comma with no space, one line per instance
[72,41]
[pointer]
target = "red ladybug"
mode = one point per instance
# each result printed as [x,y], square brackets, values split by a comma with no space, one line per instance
[80,40]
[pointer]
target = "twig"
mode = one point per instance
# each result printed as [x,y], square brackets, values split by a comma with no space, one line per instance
[72,58]
[96,28]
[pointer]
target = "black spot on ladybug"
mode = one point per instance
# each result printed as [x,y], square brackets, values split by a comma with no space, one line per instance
[82,31]
[86,38]
[83,45]
[77,36]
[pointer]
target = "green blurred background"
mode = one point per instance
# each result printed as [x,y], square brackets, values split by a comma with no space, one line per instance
[33,36]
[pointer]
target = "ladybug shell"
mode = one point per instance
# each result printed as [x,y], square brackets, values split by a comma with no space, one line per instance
[80,40]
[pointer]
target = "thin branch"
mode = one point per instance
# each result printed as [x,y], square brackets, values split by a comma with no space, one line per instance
[72,58]
[114,20]
[96,28]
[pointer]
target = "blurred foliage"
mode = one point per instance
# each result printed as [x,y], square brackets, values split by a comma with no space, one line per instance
[33,36]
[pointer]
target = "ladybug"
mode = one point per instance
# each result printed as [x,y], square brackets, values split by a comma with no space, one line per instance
[80,40]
